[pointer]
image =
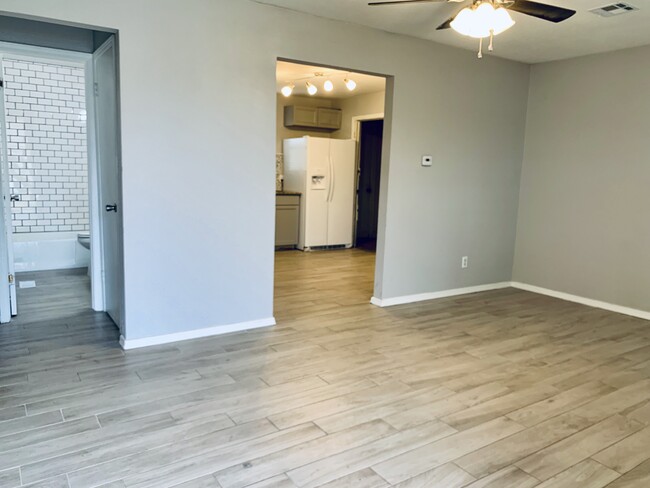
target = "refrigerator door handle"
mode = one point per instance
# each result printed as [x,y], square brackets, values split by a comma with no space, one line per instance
[332,179]
[329,178]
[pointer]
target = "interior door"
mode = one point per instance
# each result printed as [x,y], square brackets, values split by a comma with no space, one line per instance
[106,122]
[8,302]
[341,201]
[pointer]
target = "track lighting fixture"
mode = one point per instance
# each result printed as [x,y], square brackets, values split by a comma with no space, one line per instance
[350,84]
[311,89]
[312,84]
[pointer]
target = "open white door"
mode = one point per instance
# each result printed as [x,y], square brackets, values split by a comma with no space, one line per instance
[107,143]
[8,304]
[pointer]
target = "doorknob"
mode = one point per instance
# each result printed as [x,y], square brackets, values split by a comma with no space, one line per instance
[111,207]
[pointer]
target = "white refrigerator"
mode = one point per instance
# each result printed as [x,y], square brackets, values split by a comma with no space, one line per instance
[323,171]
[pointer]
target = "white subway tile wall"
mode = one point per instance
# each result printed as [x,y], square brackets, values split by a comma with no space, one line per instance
[47,147]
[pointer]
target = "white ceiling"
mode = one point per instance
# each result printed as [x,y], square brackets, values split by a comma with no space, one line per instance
[299,74]
[531,40]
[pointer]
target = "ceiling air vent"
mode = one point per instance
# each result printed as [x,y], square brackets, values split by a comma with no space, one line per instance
[614,9]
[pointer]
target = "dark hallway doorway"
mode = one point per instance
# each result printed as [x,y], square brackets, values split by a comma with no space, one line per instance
[370,143]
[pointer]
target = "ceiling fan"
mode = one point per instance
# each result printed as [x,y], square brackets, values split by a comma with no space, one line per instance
[487,18]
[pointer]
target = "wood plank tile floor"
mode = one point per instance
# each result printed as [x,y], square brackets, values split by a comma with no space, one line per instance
[498,389]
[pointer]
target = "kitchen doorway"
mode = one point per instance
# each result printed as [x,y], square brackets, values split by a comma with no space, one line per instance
[328,226]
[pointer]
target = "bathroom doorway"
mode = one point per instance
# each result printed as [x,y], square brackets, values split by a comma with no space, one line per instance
[59,148]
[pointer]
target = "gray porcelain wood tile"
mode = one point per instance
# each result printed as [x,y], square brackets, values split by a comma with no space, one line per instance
[122,446]
[202,482]
[113,484]
[491,409]
[628,453]
[28,423]
[11,413]
[276,482]
[422,459]
[571,450]
[587,474]
[562,402]
[10,478]
[366,478]
[359,398]
[57,482]
[49,433]
[396,404]
[357,459]
[282,461]
[639,477]
[89,437]
[508,477]
[162,455]
[552,386]
[446,476]
[505,452]
[225,457]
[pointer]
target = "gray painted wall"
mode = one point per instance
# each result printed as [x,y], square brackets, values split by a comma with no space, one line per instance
[584,223]
[198,137]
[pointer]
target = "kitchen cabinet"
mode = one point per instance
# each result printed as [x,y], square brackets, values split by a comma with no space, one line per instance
[296,117]
[329,118]
[287,220]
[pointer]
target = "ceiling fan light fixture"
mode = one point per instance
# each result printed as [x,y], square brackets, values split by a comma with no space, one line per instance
[467,23]
[482,21]
[501,21]
[287,90]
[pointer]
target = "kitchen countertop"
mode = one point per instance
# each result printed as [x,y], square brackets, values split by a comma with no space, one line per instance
[287,193]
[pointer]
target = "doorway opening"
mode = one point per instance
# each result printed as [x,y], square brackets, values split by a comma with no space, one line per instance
[370,137]
[45,158]
[61,237]
[330,125]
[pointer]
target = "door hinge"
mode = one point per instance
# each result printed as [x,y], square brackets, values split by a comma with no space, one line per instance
[10,278]
[96,88]
[2,83]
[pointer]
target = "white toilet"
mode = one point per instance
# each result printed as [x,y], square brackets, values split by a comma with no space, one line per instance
[84,239]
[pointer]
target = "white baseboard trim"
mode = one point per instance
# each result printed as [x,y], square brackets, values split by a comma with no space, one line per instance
[582,300]
[389,302]
[128,344]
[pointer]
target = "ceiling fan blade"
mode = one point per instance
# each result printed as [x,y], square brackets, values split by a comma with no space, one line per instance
[398,2]
[542,11]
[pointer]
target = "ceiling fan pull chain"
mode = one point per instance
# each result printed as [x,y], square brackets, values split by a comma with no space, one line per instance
[491,46]
[480,48]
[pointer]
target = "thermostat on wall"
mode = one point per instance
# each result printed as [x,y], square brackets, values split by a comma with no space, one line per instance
[427,160]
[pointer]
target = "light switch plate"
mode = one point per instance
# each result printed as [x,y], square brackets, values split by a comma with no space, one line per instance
[427,160]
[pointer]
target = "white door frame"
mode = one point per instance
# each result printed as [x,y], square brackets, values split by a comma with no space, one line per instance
[356,135]
[79,60]
[356,123]
[8,265]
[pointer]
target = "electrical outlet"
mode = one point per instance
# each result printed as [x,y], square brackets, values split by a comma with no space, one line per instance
[464,263]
